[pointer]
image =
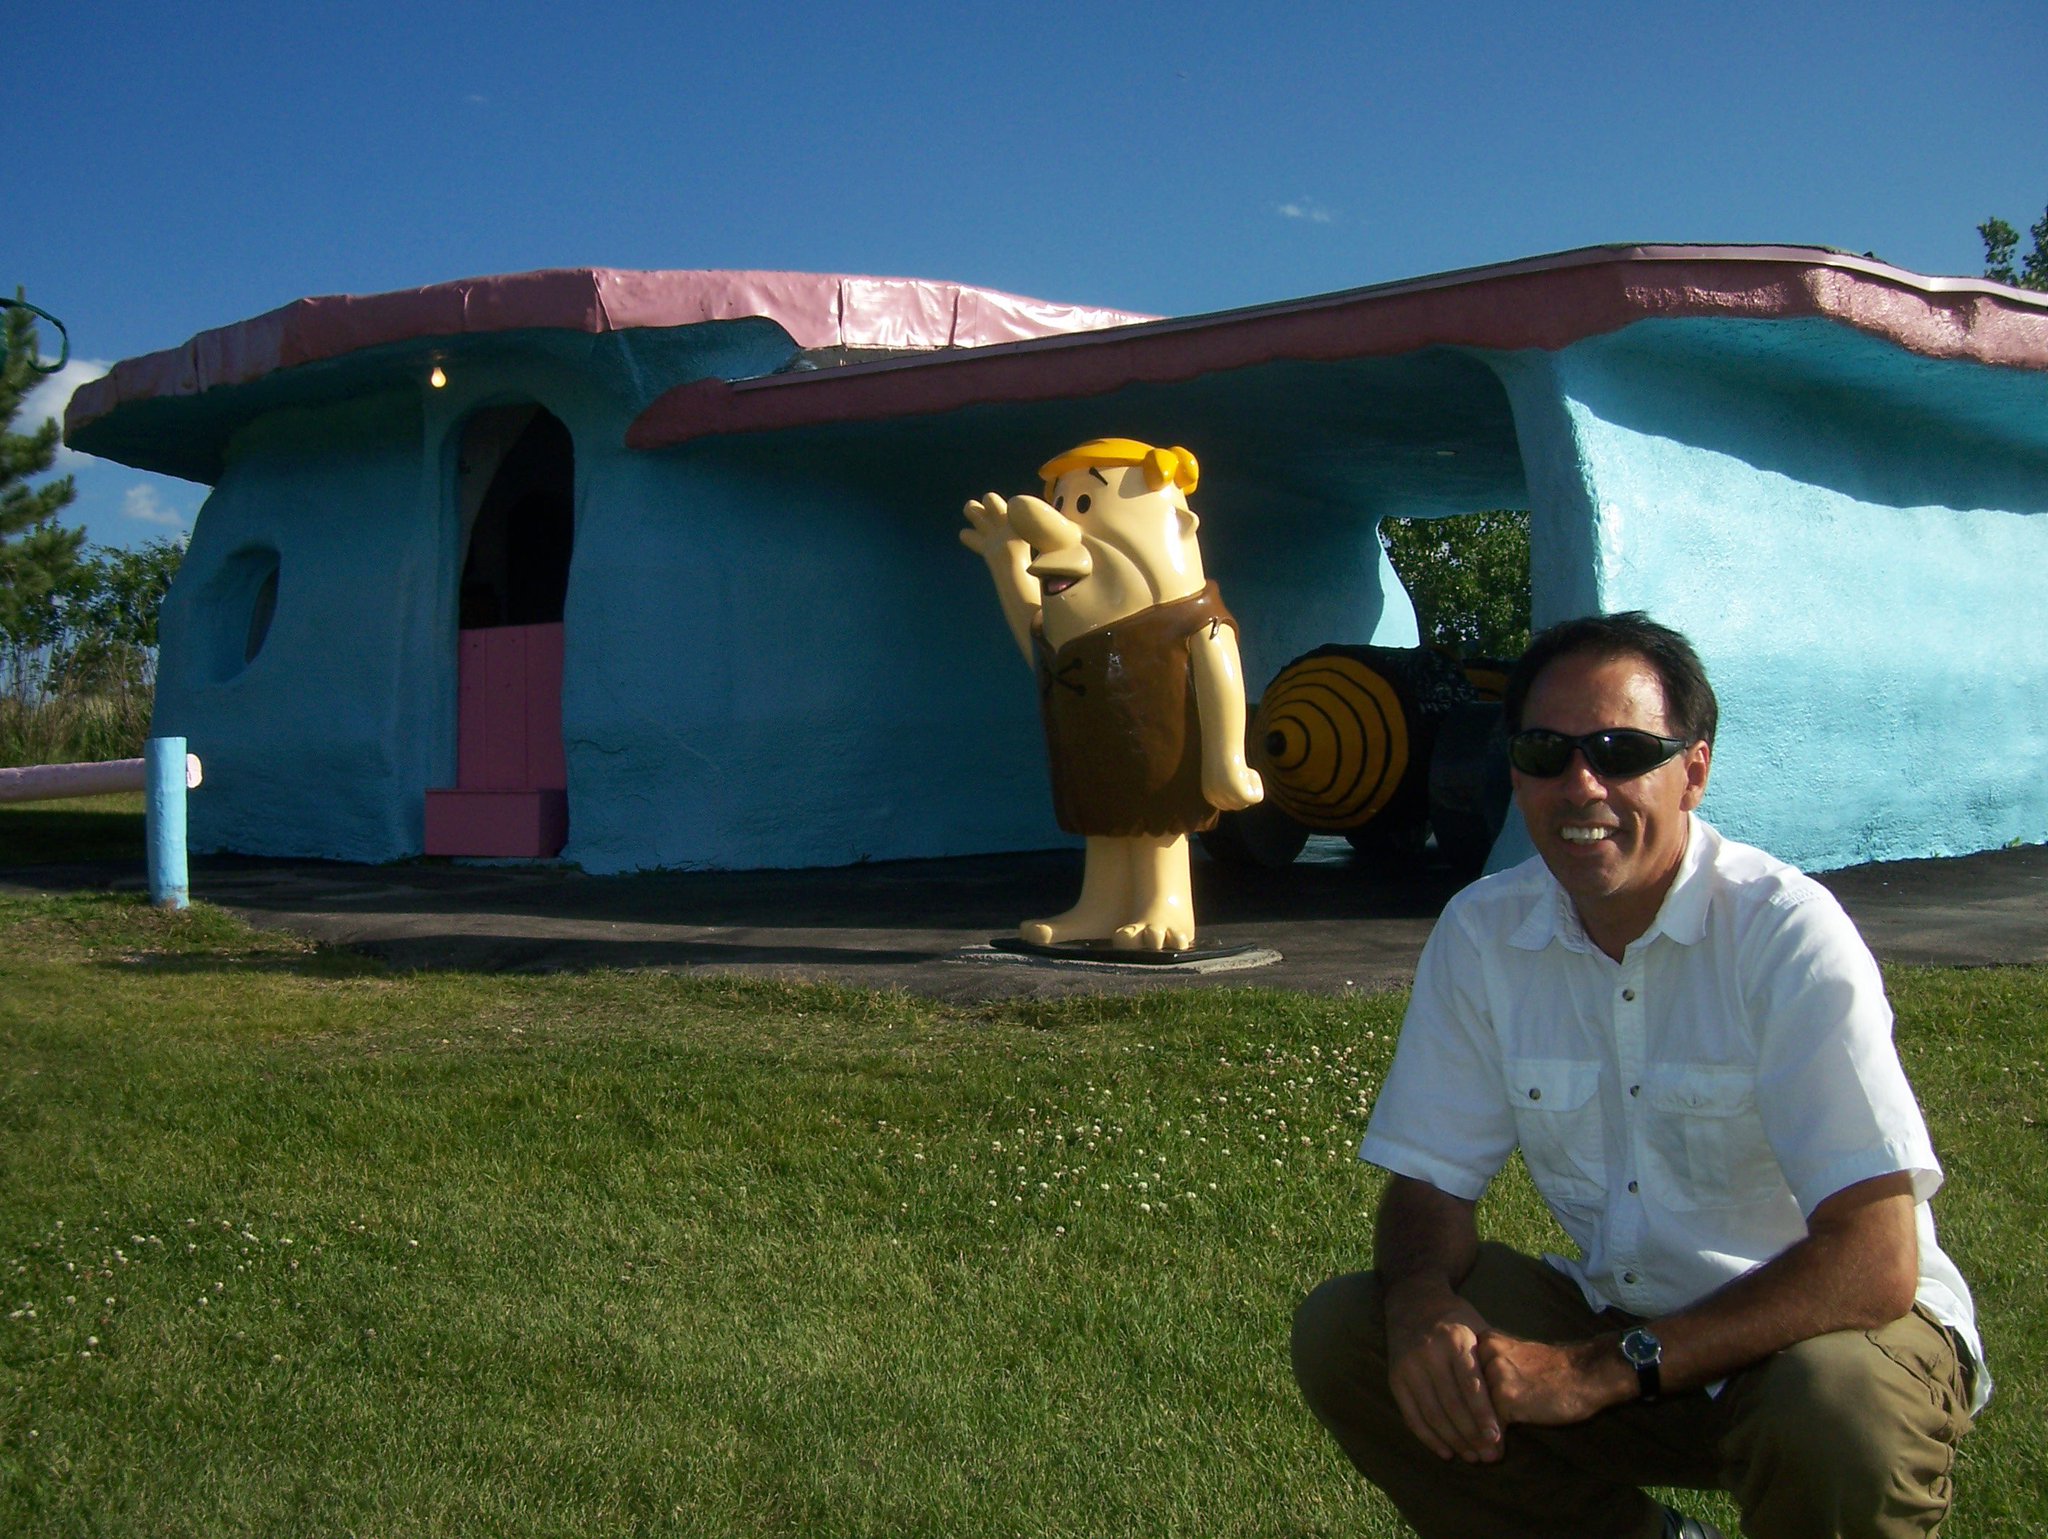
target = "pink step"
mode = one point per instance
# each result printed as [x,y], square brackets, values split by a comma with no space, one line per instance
[531,825]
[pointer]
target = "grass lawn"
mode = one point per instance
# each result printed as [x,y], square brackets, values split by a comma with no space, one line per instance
[290,1243]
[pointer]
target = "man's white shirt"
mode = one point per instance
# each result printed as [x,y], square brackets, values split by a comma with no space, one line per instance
[1681,1111]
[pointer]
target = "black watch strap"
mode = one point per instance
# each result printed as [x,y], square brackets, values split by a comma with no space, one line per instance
[1645,1354]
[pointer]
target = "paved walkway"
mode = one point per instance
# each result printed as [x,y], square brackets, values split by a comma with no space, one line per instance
[907,925]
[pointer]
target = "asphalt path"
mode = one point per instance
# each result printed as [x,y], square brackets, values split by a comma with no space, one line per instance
[1335,922]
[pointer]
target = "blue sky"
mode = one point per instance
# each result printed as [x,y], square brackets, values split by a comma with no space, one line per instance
[177,168]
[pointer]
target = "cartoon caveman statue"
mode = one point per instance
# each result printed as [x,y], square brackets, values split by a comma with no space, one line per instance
[1139,681]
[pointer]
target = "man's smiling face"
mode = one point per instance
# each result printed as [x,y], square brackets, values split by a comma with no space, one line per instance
[1613,845]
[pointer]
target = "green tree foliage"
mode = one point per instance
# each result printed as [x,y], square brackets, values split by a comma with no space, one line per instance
[1468,577]
[77,626]
[38,556]
[109,643]
[80,681]
[2001,244]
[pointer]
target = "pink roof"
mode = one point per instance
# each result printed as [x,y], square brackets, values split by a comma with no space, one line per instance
[817,310]
[1542,302]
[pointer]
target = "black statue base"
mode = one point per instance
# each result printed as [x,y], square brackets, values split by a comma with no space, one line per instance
[1102,951]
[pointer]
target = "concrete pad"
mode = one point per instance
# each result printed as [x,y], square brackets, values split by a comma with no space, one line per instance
[1339,925]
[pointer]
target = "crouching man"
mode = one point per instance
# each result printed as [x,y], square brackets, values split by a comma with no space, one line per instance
[1690,1045]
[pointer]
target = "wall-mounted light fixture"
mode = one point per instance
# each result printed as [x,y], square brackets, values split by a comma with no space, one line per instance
[438,379]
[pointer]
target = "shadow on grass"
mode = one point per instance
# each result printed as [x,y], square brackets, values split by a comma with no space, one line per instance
[37,835]
[487,953]
[328,962]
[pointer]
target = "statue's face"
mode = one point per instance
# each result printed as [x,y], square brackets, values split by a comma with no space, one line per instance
[1105,547]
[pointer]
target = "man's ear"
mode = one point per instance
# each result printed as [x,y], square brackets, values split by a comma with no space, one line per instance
[1188,522]
[1699,761]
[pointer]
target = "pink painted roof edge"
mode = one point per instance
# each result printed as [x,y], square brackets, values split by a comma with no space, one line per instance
[1543,302]
[816,309]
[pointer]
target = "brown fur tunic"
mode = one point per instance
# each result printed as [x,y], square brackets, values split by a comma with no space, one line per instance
[1118,705]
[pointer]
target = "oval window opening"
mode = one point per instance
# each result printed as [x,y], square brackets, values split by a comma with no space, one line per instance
[262,610]
[241,600]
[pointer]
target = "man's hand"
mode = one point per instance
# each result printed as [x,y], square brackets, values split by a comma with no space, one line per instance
[1437,1380]
[1553,1386]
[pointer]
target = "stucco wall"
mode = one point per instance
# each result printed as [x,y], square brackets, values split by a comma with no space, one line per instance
[769,669]
[314,746]
[1865,583]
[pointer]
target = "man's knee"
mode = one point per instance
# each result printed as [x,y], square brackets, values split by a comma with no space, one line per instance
[1339,1340]
[1816,1408]
[1837,1431]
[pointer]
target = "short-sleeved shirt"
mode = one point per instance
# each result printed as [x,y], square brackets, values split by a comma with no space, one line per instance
[1682,1111]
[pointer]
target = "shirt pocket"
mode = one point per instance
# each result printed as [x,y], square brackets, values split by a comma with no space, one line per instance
[1557,1122]
[1704,1139]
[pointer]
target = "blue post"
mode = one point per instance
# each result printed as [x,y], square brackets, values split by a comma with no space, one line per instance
[163,770]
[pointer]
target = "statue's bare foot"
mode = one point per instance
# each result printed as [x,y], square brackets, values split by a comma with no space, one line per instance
[1154,935]
[1082,922]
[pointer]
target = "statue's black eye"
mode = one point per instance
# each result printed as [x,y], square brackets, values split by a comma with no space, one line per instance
[1060,503]
[1081,503]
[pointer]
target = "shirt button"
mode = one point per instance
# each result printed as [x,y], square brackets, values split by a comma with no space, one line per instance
[1628,1277]
[1535,1094]
[1628,994]
[1635,1089]
[1632,1186]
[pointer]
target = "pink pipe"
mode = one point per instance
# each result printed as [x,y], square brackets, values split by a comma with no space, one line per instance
[50,782]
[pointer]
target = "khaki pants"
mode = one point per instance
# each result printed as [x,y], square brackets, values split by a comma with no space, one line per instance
[1847,1434]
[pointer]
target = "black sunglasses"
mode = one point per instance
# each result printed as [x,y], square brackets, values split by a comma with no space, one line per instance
[1618,753]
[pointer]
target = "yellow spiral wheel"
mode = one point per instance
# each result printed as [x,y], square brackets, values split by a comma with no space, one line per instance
[1488,676]
[1331,741]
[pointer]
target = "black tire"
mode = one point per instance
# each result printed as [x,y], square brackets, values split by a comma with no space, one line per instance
[1469,788]
[1261,835]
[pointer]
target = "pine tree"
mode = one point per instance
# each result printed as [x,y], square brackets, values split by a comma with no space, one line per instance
[39,563]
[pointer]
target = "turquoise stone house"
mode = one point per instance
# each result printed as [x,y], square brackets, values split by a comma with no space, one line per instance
[660,569]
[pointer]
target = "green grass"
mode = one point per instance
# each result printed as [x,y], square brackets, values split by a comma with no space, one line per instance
[290,1243]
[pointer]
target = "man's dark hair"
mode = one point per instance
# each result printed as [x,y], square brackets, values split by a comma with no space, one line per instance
[1690,710]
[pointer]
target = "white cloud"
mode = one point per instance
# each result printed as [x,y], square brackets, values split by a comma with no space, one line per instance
[1306,208]
[49,400]
[476,99]
[142,503]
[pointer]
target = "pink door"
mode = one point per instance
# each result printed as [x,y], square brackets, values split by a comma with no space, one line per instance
[511,794]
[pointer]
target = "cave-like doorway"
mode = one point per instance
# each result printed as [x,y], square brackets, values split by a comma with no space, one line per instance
[515,494]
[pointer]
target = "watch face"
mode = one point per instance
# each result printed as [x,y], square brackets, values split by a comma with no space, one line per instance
[1640,1347]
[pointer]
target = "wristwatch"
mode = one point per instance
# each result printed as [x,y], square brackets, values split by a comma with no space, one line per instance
[1645,1354]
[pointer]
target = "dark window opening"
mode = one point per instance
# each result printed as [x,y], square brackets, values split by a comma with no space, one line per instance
[517,571]
[261,612]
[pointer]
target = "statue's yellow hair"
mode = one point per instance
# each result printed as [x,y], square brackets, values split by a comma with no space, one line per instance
[1163,467]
